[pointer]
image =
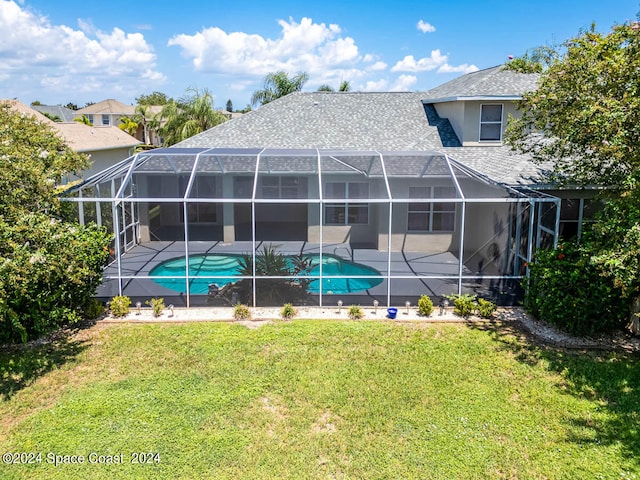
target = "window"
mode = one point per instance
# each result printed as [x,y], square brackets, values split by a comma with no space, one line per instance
[283,187]
[431,216]
[90,117]
[349,213]
[490,123]
[105,120]
[204,186]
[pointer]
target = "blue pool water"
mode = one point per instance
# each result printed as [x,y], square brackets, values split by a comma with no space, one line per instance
[216,268]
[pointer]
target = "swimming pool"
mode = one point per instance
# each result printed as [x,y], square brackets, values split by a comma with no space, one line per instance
[220,269]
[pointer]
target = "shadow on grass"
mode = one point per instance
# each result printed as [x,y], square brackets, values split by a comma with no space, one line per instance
[609,378]
[21,365]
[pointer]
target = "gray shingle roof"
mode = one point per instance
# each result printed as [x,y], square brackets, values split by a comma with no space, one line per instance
[490,82]
[63,113]
[378,121]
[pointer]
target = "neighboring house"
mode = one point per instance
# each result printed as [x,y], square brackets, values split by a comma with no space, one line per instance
[63,113]
[106,146]
[109,112]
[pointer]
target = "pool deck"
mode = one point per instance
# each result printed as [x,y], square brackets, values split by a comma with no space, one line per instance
[141,259]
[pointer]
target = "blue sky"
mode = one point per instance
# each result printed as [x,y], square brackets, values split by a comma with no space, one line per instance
[79,51]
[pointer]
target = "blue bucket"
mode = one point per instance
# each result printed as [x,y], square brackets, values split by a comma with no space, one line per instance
[392,312]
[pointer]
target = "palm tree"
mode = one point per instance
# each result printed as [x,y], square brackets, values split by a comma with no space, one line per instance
[189,116]
[278,85]
[128,125]
[83,119]
[344,87]
[143,116]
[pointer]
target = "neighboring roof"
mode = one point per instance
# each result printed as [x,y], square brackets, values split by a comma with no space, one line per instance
[108,106]
[81,137]
[488,83]
[63,113]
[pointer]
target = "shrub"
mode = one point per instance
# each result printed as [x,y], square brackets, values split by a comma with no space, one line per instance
[463,305]
[93,309]
[425,305]
[157,306]
[288,311]
[485,308]
[119,305]
[242,312]
[566,289]
[355,312]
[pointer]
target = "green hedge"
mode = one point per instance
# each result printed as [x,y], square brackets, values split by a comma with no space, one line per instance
[567,289]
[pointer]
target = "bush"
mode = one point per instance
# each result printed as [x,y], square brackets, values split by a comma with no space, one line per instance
[119,305]
[463,305]
[355,312]
[242,312]
[288,311]
[485,308]
[157,306]
[566,289]
[93,309]
[49,270]
[425,305]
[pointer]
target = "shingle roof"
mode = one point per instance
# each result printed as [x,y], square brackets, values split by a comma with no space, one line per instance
[80,137]
[491,82]
[381,121]
[63,113]
[108,106]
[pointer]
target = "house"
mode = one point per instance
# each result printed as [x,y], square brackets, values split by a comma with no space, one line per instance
[109,113]
[105,146]
[416,186]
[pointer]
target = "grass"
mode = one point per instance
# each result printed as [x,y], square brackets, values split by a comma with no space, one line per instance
[311,399]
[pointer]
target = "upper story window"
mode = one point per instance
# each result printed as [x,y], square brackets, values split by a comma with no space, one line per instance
[90,117]
[490,123]
[105,120]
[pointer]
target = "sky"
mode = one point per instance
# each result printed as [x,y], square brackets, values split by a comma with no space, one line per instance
[79,51]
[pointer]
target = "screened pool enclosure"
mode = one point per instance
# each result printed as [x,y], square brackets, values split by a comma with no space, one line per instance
[310,227]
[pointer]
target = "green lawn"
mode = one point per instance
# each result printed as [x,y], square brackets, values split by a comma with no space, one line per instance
[317,399]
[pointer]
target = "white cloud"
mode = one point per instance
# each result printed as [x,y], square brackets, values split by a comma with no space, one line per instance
[376,67]
[304,46]
[425,27]
[464,68]
[403,83]
[410,64]
[375,86]
[36,52]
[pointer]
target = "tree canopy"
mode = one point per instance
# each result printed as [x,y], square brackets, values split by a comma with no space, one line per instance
[49,268]
[154,98]
[585,115]
[192,114]
[278,85]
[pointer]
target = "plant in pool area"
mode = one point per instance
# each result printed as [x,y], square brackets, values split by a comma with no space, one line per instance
[425,305]
[157,306]
[288,311]
[463,305]
[119,305]
[485,308]
[355,312]
[242,312]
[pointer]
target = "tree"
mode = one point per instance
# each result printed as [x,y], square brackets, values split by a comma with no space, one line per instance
[72,106]
[229,106]
[278,85]
[145,117]
[189,116]
[535,60]
[345,86]
[52,117]
[584,116]
[584,119]
[83,119]
[128,125]
[49,268]
[154,98]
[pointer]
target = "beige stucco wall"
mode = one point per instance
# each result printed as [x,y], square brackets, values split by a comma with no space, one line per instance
[454,112]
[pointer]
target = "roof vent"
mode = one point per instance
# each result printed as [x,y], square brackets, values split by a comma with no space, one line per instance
[315,103]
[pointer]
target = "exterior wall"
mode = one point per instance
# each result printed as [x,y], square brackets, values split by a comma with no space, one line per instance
[471,127]
[105,158]
[454,112]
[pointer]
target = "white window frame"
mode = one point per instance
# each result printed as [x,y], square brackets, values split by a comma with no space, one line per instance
[301,186]
[492,122]
[430,211]
[106,120]
[353,202]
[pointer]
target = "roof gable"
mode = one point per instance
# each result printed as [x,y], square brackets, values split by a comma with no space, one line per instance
[108,106]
